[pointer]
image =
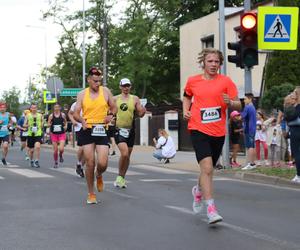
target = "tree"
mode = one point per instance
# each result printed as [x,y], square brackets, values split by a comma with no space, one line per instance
[11,97]
[273,98]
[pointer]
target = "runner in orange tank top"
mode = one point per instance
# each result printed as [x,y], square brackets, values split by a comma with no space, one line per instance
[206,98]
[98,109]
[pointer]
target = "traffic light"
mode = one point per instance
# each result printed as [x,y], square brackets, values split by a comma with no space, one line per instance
[237,59]
[248,34]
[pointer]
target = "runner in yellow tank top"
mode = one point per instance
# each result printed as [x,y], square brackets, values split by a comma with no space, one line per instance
[98,109]
[127,105]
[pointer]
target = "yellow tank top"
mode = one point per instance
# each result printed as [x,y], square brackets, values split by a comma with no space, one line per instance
[125,112]
[94,110]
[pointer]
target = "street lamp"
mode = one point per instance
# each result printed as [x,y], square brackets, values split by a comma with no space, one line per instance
[83,44]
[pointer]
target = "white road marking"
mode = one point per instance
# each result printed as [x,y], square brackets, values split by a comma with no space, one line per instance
[160,180]
[65,170]
[243,230]
[13,166]
[160,169]
[116,171]
[121,194]
[30,173]
[1,178]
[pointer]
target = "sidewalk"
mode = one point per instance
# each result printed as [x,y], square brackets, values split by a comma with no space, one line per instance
[187,161]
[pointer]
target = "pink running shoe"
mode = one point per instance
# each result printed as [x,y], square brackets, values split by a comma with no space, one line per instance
[197,203]
[213,215]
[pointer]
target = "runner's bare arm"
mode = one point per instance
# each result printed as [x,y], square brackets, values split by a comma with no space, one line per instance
[78,108]
[25,125]
[49,120]
[141,111]
[235,103]
[112,106]
[71,116]
[186,105]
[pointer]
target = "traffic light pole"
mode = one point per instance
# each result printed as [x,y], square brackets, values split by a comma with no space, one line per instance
[248,73]
[225,152]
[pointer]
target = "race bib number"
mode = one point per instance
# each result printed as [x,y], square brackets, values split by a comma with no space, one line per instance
[4,128]
[209,115]
[98,130]
[57,128]
[124,132]
[34,129]
[25,133]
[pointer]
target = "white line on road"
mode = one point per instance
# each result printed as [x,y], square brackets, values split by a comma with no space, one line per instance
[65,170]
[160,180]
[13,166]
[30,173]
[121,194]
[243,230]
[1,178]
[116,171]
[160,169]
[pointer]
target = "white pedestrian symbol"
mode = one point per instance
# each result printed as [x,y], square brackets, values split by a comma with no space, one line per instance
[277,30]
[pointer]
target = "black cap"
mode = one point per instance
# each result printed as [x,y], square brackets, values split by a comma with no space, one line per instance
[95,71]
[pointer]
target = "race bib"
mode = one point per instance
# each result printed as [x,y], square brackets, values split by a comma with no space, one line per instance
[98,130]
[124,132]
[57,128]
[25,133]
[34,129]
[4,128]
[209,115]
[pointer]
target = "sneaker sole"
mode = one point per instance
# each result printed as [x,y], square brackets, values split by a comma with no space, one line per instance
[215,221]
[91,202]
[119,186]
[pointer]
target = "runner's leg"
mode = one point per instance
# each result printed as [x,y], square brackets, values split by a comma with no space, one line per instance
[89,155]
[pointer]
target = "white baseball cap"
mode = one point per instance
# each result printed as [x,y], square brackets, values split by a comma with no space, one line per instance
[125,81]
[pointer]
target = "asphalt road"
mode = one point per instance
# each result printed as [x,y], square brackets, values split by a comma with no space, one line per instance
[45,209]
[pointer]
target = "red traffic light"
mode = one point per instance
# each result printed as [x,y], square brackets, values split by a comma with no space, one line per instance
[248,21]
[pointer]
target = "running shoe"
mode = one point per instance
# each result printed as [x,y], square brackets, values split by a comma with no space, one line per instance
[79,170]
[4,162]
[290,164]
[120,182]
[296,179]
[32,164]
[37,165]
[213,215]
[197,203]
[91,199]
[61,159]
[55,165]
[235,164]
[249,167]
[100,183]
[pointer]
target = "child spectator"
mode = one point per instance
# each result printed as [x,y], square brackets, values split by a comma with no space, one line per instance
[260,138]
[274,134]
[236,128]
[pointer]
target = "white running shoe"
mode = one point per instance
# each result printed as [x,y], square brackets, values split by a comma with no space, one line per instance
[296,179]
[197,202]
[213,215]
[249,167]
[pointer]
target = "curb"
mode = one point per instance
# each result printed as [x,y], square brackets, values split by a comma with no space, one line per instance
[260,178]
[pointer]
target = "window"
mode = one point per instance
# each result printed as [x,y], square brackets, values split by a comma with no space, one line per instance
[208,42]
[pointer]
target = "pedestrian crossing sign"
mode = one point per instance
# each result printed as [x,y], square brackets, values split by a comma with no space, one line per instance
[48,98]
[278,28]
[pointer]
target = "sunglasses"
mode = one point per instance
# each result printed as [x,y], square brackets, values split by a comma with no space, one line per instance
[126,86]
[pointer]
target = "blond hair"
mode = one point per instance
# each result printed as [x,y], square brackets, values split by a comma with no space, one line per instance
[202,55]
[163,132]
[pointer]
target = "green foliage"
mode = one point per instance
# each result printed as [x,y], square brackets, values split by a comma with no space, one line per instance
[273,97]
[11,98]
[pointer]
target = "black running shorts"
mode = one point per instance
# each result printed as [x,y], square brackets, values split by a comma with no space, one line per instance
[129,140]
[207,146]
[87,138]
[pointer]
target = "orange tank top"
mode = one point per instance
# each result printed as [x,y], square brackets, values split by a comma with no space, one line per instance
[94,110]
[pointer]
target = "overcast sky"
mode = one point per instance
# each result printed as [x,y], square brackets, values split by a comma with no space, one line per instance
[23,48]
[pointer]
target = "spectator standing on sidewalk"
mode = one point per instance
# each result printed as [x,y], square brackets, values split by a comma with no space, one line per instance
[292,116]
[236,129]
[274,134]
[249,119]
[165,147]
[260,138]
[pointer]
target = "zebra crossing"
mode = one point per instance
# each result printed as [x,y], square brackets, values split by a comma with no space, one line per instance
[135,170]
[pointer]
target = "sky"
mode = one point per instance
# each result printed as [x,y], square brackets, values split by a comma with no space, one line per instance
[23,48]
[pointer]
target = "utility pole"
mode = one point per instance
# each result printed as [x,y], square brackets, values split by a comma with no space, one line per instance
[225,152]
[248,73]
[83,44]
[104,45]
